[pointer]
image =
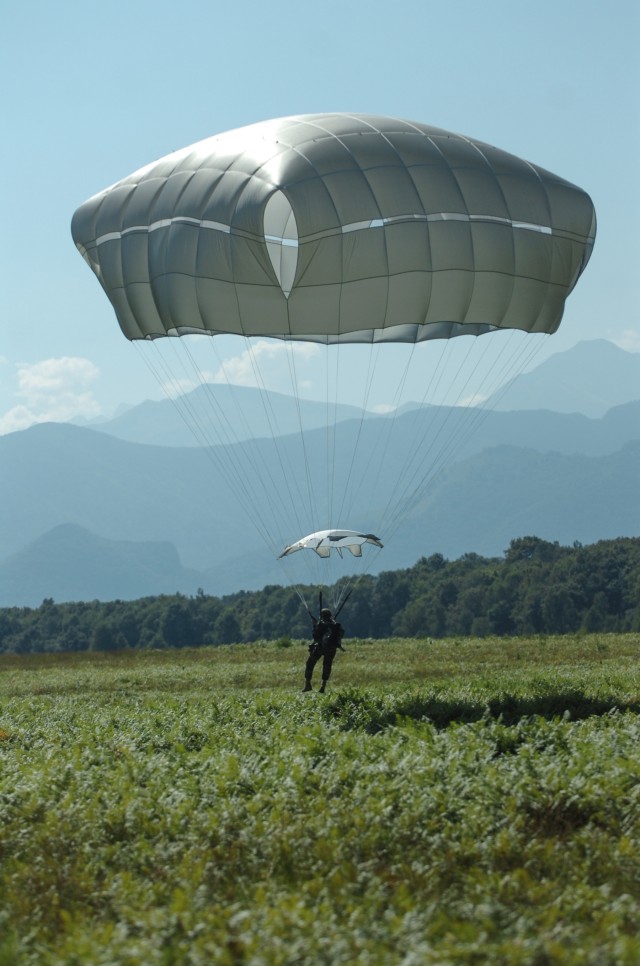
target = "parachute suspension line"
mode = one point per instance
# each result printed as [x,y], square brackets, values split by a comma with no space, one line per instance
[372,470]
[301,589]
[502,374]
[345,586]
[471,416]
[508,373]
[431,389]
[327,571]
[422,451]
[349,492]
[243,458]
[217,437]
[414,466]
[171,387]
[314,521]
[357,471]
[299,592]
[338,483]
[379,453]
[433,386]
[332,397]
[340,586]
[450,442]
[331,434]
[172,390]
[472,419]
[311,498]
[327,442]
[300,596]
[289,476]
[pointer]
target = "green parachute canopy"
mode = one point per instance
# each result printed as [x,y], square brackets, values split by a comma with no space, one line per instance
[369,236]
[337,228]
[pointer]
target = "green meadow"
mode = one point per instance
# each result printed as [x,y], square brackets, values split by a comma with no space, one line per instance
[461,801]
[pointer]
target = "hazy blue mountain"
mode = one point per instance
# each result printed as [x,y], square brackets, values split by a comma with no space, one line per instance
[70,563]
[589,378]
[128,494]
[254,413]
[473,430]
[57,473]
[480,504]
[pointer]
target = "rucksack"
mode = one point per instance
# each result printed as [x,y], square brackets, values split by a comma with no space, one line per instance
[327,633]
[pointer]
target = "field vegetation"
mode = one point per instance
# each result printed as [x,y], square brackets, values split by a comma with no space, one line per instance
[454,801]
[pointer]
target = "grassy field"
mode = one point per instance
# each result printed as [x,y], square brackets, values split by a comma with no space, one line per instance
[460,801]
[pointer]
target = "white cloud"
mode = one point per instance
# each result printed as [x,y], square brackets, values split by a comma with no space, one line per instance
[629,340]
[383,409]
[53,390]
[263,364]
[470,402]
[52,376]
[182,385]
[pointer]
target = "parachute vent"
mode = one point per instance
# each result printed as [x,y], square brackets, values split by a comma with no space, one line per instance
[281,236]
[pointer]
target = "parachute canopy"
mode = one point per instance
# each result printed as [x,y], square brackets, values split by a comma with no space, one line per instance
[324,541]
[337,228]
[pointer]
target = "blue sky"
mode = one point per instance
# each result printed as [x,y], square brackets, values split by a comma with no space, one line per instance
[93,92]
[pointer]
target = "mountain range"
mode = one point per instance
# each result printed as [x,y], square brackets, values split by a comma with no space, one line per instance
[589,378]
[88,515]
[263,414]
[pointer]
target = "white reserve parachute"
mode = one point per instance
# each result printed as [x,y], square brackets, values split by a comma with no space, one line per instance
[325,541]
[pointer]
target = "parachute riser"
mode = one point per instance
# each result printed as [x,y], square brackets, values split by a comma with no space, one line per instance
[347,596]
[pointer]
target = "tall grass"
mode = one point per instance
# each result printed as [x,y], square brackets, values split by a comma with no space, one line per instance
[471,801]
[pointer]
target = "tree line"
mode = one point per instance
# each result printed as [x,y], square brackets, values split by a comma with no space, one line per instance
[537,587]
